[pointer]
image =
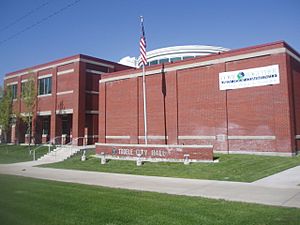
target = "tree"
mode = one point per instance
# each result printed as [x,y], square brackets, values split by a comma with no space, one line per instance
[5,111]
[28,96]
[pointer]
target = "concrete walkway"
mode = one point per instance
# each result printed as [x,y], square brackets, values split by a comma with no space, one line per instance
[287,195]
[290,177]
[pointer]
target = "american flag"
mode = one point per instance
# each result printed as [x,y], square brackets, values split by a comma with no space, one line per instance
[143,44]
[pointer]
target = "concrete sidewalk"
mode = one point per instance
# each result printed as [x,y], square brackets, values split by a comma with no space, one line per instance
[277,195]
[290,177]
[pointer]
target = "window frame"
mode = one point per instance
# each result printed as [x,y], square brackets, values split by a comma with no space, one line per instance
[45,86]
[14,91]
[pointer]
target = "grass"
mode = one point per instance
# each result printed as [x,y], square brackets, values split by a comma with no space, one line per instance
[18,153]
[244,168]
[32,201]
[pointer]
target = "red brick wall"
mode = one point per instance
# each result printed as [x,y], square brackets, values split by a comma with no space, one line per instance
[91,101]
[122,101]
[43,103]
[68,66]
[64,102]
[92,81]
[79,82]
[256,119]
[65,82]
[197,91]
[155,109]
[260,110]
[92,127]
[296,97]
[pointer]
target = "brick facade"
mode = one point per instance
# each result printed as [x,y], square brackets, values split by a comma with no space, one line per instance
[70,111]
[186,107]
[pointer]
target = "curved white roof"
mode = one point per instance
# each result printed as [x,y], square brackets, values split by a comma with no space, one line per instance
[175,53]
[185,50]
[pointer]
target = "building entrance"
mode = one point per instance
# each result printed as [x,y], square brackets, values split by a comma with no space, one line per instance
[67,127]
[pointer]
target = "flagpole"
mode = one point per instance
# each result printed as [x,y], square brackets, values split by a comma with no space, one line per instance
[144,88]
[145,106]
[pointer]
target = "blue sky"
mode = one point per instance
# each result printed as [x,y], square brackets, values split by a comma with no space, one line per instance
[111,29]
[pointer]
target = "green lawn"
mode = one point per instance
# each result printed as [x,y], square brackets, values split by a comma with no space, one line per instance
[18,153]
[32,201]
[245,168]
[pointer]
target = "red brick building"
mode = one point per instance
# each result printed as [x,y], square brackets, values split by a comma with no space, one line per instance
[188,105]
[67,100]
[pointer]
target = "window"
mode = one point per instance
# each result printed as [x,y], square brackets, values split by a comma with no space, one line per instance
[46,125]
[154,62]
[14,89]
[45,86]
[164,61]
[175,59]
[188,57]
[27,128]
[27,86]
[23,88]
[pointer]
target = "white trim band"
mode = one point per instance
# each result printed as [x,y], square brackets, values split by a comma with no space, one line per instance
[124,77]
[297,137]
[90,136]
[65,92]
[293,55]
[44,113]
[12,83]
[46,95]
[251,137]
[153,137]
[92,112]
[59,64]
[286,154]
[92,92]
[45,76]
[117,137]
[65,72]
[64,111]
[197,137]
[94,71]
[153,145]
[229,137]
[96,63]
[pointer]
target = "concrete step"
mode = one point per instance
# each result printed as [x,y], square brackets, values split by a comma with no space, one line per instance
[62,153]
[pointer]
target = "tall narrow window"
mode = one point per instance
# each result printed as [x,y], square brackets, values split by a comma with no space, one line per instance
[23,88]
[46,125]
[45,86]
[14,89]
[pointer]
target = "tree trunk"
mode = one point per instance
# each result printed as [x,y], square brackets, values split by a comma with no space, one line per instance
[5,136]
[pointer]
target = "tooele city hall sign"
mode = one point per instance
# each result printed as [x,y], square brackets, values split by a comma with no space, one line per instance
[174,153]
